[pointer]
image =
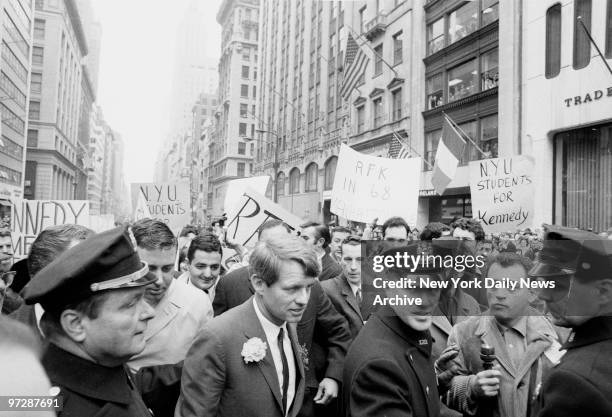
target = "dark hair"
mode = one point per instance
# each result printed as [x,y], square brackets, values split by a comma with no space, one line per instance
[507,259]
[321,231]
[270,224]
[189,229]
[153,234]
[51,242]
[5,232]
[16,334]
[433,231]
[471,225]
[395,222]
[340,229]
[207,242]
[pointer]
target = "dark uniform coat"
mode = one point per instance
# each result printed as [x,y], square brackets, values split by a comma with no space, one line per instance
[389,372]
[342,297]
[92,390]
[581,385]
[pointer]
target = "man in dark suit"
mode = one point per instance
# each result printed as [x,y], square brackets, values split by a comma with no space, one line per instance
[388,369]
[579,264]
[322,332]
[345,291]
[317,235]
[248,360]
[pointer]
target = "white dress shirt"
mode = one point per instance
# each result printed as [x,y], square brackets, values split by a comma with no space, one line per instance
[271,330]
[185,278]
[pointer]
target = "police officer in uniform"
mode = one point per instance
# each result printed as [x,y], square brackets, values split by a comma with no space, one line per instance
[94,320]
[389,370]
[579,264]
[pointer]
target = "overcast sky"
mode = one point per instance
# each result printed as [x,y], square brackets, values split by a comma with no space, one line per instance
[138,37]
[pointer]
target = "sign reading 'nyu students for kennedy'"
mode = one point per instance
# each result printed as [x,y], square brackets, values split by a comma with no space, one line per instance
[503,193]
[30,217]
[169,202]
[366,187]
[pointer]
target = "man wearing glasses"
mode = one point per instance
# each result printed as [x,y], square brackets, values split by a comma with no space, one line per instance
[204,259]
[579,264]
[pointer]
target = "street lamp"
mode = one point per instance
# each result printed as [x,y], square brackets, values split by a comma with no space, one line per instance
[275,164]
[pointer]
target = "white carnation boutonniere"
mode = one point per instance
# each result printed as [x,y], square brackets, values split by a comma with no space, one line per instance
[303,352]
[254,350]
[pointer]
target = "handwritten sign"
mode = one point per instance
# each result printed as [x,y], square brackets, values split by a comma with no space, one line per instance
[254,210]
[30,217]
[503,193]
[236,188]
[366,187]
[169,202]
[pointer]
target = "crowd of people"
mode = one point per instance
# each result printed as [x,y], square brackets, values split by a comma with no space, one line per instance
[138,321]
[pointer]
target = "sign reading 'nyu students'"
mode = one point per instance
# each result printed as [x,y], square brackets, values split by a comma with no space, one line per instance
[366,187]
[503,193]
[169,202]
[30,217]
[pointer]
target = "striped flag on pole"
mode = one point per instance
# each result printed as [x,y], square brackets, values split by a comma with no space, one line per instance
[450,148]
[355,63]
[397,150]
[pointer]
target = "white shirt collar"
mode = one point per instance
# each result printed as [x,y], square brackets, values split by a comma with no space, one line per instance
[270,328]
[354,288]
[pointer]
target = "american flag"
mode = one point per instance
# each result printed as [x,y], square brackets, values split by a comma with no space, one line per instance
[397,150]
[355,63]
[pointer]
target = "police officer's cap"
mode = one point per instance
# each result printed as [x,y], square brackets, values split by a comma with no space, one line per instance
[105,261]
[569,251]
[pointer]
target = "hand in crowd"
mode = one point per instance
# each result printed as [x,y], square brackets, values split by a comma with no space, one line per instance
[485,383]
[446,367]
[328,390]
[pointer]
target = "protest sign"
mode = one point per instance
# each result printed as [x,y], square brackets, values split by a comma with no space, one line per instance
[30,217]
[366,187]
[169,202]
[101,223]
[503,193]
[236,188]
[254,210]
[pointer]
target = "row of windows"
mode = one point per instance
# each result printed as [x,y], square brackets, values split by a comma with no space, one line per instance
[11,120]
[244,110]
[11,59]
[16,37]
[244,91]
[379,117]
[311,178]
[10,148]
[9,176]
[581,42]
[12,90]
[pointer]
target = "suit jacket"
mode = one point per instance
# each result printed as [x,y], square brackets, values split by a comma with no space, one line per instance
[518,382]
[581,385]
[322,331]
[216,380]
[179,318]
[92,390]
[389,371]
[342,297]
[329,267]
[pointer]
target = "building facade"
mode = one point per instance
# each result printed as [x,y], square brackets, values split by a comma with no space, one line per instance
[16,34]
[231,151]
[54,108]
[567,111]
[95,165]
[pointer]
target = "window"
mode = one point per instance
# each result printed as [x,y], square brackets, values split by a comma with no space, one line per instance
[469,128]
[17,39]
[280,184]
[312,174]
[463,21]
[242,129]
[241,148]
[245,72]
[488,138]
[330,172]
[553,41]
[378,111]
[36,82]
[397,104]
[489,78]
[435,36]
[378,60]
[254,93]
[244,110]
[294,181]
[39,4]
[431,146]
[360,119]
[490,11]
[244,90]
[362,19]
[434,92]
[397,48]
[241,166]
[34,110]
[11,120]
[39,29]
[609,30]
[12,90]
[582,44]
[9,57]
[462,81]
[246,53]
[37,55]
[32,138]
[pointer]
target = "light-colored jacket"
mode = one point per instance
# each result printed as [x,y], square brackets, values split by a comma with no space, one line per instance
[517,386]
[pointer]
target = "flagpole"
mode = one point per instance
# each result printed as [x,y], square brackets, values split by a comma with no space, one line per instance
[367,43]
[456,126]
[594,44]
[398,138]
